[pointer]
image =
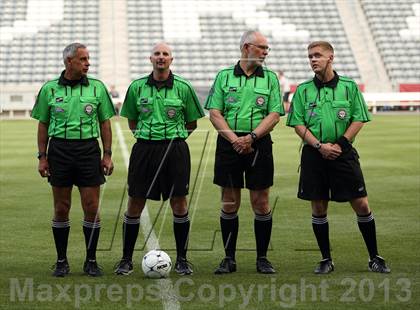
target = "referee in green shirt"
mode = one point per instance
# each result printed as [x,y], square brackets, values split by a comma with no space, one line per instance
[162,111]
[327,113]
[73,110]
[245,105]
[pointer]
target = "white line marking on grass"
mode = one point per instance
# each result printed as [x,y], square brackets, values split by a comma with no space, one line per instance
[169,298]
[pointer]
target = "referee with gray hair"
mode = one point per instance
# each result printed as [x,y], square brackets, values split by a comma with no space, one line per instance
[73,110]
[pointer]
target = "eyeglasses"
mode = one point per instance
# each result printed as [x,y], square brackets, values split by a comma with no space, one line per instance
[262,47]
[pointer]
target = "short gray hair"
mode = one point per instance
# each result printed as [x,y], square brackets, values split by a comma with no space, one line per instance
[71,49]
[247,37]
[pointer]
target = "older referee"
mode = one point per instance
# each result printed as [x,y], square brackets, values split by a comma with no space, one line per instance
[73,110]
[245,105]
[162,111]
[327,113]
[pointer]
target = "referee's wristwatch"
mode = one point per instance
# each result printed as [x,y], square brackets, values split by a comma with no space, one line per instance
[318,145]
[108,152]
[253,136]
[41,154]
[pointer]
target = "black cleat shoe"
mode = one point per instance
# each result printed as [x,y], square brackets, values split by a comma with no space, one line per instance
[227,265]
[183,267]
[91,268]
[264,266]
[377,264]
[124,267]
[325,266]
[61,268]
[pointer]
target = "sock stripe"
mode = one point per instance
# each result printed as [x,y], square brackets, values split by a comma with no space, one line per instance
[319,220]
[228,216]
[263,217]
[181,220]
[91,224]
[131,220]
[57,224]
[365,218]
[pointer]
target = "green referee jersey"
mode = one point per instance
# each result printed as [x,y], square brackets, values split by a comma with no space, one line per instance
[73,108]
[244,101]
[328,109]
[161,109]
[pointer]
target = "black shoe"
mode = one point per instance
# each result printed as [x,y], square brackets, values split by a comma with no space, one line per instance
[227,265]
[377,264]
[61,268]
[325,266]
[264,266]
[91,268]
[183,267]
[124,267]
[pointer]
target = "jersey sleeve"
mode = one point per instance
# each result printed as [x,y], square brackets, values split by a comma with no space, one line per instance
[193,110]
[275,103]
[360,112]
[129,109]
[215,97]
[41,109]
[296,114]
[106,107]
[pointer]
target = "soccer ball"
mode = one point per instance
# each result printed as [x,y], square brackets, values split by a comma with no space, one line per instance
[156,264]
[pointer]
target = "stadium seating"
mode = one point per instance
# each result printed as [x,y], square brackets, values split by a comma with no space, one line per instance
[200,52]
[34,55]
[395,27]
[205,35]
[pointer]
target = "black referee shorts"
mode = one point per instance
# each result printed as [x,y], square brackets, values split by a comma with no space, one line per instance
[75,162]
[338,180]
[258,166]
[159,168]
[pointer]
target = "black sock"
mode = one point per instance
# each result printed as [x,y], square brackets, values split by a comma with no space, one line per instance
[131,227]
[262,229]
[181,231]
[91,231]
[321,231]
[229,223]
[368,229]
[61,236]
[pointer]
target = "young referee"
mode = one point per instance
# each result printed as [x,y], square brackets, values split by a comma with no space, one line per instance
[162,111]
[327,112]
[73,111]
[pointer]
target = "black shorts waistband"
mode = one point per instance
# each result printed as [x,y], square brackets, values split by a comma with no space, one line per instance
[72,140]
[167,141]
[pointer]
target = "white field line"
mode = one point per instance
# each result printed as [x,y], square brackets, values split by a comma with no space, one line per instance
[169,298]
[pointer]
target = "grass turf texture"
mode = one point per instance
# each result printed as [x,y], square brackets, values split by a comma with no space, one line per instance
[389,149]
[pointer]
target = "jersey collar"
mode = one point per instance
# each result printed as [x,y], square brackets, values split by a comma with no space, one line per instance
[331,84]
[168,83]
[237,71]
[65,82]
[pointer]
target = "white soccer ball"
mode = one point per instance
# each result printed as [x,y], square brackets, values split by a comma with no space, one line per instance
[156,264]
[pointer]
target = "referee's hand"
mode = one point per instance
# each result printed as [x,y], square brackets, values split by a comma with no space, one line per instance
[107,165]
[43,167]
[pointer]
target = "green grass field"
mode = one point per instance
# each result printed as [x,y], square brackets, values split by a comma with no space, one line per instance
[390,155]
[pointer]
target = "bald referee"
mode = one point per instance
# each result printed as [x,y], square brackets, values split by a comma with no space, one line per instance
[73,111]
[162,111]
[327,113]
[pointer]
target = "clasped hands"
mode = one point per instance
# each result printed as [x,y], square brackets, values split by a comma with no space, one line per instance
[242,145]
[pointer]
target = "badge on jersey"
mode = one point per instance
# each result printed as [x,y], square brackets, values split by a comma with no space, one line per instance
[171,112]
[59,110]
[88,109]
[231,99]
[341,114]
[260,101]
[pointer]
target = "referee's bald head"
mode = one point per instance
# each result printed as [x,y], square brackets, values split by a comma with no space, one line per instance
[160,46]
